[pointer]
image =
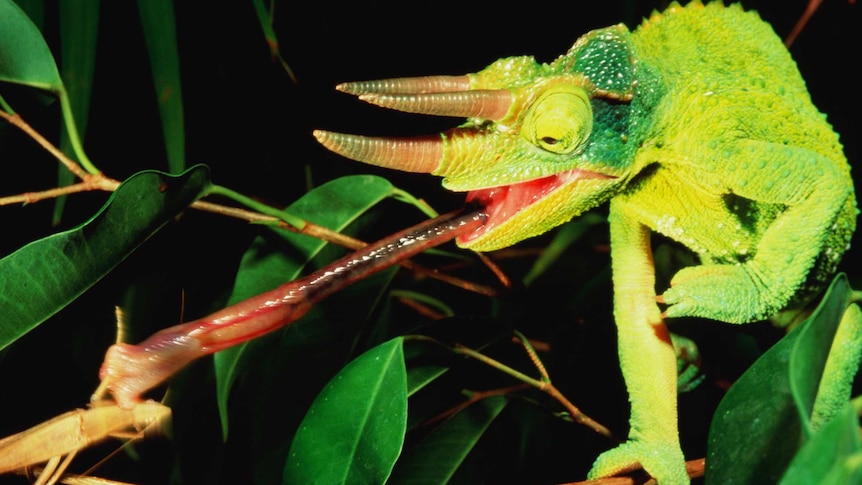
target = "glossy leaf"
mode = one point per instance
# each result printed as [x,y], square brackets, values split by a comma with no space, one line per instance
[333,205]
[422,367]
[160,33]
[25,57]
[354,430]
[769,407]
[44,276]
[435,459]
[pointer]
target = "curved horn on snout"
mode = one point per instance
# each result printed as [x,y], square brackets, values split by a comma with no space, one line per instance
[421,154]
[433,95]
[407,85]
[486,104]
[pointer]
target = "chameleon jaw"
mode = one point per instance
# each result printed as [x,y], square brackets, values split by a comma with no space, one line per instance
[504,202]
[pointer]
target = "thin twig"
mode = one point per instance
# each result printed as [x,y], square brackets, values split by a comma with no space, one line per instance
[18,122]
[101,182]
[328,235]
[812,7]
[472,398]
[32,197]
[546,387]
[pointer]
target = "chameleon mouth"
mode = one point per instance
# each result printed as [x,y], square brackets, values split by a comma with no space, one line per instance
[503,202]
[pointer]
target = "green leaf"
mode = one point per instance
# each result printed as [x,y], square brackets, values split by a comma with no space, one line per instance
[79,27]
[35,9]
[567,235]
[264,17]
[333,205]
[160,33]
[769,408]
[25,57]
[44,276]
[422,367]
[437,457]
[354,430]
[418,378]
[832,455]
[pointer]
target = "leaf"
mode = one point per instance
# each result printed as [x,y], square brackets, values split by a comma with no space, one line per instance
[79,26]
[160,33]
[354,430]
[35,10]
[264,17]
[437,457]
[25,57]
[567,235]
[832,455]
[44,276]
[422,376]
[769,407]
[333,205]
[422,367]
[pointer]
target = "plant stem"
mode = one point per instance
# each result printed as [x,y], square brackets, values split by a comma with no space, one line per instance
[74,138]
[546,387]
[294,221]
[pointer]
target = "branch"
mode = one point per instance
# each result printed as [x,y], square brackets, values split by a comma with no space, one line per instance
[99,181]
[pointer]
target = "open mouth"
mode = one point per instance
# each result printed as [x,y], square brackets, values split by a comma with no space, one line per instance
[503,202]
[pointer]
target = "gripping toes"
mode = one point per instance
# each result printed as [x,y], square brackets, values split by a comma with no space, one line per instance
[720,292]
[664,462]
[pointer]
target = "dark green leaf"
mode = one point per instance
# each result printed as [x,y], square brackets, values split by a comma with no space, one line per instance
[44,276]
[354,430]
[424,364]
[437,457]
[832,455]
[264,17]
[35,9]
[565,237]
[769,407]
[333,205]
[79,26]
[25,58]
[160,33]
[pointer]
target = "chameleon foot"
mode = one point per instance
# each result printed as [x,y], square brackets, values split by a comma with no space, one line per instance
[720,292]
[663,461]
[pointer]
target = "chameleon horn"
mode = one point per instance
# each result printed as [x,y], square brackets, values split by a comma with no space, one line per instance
[486,104]
[433,95]
[407,85]
[421,154]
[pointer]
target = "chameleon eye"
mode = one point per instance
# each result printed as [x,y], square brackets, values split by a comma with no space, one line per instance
[560,120]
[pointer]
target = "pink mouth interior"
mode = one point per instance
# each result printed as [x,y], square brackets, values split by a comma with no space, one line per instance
[503,202]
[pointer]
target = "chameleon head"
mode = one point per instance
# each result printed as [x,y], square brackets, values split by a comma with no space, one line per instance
[529,151]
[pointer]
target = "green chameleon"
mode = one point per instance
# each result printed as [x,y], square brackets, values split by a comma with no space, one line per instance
[697,126]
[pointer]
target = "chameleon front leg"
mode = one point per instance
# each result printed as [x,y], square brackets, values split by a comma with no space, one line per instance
[647,360]
[810,234]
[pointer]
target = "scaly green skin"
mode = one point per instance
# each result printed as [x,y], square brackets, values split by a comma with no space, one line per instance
[749,176]
[698,126]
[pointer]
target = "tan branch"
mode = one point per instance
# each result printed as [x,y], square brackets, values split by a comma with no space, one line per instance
[71,165]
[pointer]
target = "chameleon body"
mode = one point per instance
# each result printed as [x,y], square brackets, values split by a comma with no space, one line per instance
[696,125]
